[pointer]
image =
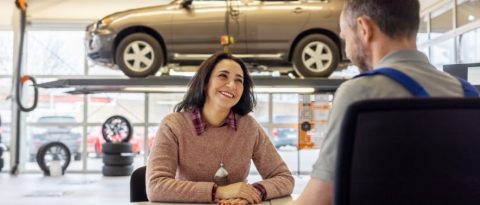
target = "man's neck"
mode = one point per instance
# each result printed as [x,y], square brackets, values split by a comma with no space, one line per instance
[386,46]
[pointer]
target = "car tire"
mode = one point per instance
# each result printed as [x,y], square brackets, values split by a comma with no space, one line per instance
[117,160]
[116,148]
[149,65]
[1,151]
[1,164]
[316,55]
[112,126]
[117,170]
[61,149]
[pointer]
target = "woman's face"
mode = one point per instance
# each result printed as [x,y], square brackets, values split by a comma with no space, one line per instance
[225,86]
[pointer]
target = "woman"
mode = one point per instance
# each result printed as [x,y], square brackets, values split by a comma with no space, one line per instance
[202,151]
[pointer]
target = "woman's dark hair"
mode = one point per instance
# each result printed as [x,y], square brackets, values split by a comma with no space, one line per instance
[396,18]
[195,96]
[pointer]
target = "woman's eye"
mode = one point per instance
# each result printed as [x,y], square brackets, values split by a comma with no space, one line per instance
[239,81]
[223,75]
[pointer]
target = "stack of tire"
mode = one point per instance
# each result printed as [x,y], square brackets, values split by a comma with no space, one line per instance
[117,151]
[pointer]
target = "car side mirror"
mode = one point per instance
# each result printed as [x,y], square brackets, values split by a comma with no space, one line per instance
[186,3]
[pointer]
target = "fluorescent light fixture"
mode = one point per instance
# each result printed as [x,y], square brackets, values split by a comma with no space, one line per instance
[471,17]
[283,90]
[256,89]
[157,89]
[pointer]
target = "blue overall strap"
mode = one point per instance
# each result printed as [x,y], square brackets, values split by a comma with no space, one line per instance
[468,89]
[406,81]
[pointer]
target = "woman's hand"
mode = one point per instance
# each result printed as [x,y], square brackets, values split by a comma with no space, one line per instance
[240,190]
[233,202]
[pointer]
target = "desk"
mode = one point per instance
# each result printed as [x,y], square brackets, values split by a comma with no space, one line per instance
[278,201]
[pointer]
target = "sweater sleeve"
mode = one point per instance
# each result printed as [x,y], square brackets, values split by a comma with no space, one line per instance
[277,178]
[162,164]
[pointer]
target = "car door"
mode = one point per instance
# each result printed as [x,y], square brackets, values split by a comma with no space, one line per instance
[273,24]
[197,29]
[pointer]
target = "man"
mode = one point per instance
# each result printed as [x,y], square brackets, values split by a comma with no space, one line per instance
[378,34]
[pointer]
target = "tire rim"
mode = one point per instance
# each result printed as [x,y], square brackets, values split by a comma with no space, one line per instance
[55,153]
[116,129]
[138,56]
[317,57]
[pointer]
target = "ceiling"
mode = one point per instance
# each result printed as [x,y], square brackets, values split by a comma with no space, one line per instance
[83,11]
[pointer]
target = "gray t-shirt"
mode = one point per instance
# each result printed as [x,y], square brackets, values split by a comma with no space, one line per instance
[411,62]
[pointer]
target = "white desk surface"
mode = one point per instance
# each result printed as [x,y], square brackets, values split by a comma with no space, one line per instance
[278,201]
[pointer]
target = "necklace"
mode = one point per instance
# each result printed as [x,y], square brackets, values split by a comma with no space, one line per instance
[221,176]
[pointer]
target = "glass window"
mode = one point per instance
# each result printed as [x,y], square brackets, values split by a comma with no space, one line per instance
[422,35]
[55,102]
[129,105]
[441,20]
[442,53]
[467,11]
[260,112]
[6,52]
[162,104]
[55,53]
[469,47]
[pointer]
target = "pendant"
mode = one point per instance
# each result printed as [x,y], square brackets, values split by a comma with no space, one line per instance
[221,176]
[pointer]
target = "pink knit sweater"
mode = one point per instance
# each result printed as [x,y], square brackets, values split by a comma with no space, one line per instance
[181,165]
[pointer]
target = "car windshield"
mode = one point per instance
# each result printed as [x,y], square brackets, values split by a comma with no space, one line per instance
[56,119]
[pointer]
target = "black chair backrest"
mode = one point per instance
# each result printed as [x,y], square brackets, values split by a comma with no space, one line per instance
[410,151]
[138,191]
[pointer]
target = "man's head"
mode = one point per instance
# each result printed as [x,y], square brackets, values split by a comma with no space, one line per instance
[364,21]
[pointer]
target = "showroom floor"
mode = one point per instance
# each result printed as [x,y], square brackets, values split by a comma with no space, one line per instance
[77,189]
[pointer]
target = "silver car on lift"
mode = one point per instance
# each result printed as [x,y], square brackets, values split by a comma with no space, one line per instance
[274,33]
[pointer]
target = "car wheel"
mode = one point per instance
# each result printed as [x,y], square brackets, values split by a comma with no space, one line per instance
[53,151]
[117,129]
[117,170]
[139,55]
[315,55]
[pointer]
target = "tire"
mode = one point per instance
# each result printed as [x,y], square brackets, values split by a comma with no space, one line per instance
[151,62]
[315,64]
[117,160]
[1,164]
[117,129]
[61,151]
[116,148]
[1,151]
[117,170]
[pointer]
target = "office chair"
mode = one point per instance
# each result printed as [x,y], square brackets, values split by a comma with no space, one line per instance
[409,151]
[138,190]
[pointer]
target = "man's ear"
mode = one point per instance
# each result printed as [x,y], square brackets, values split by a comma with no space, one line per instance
[365,28]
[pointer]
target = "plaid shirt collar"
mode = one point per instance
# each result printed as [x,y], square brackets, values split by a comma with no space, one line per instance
[201,126]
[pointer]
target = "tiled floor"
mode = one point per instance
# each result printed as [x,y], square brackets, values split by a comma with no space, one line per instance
[77,189]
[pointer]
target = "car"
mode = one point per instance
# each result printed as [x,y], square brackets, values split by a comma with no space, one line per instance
[95,141]
[298,34]
[5,137]
[285,137]
[46,133]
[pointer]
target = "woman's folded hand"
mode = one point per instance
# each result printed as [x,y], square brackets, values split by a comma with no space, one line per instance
[240,190]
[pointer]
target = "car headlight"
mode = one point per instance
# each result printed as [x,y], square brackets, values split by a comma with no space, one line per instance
[104,23]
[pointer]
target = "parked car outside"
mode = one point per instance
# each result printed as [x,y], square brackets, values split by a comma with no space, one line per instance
[46,133]
[274,33]
[285,137]
[95,141]
[5,137]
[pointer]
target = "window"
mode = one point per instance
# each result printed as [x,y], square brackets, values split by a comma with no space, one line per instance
[469,47]
[442,53]
[55,53]
[6,52]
